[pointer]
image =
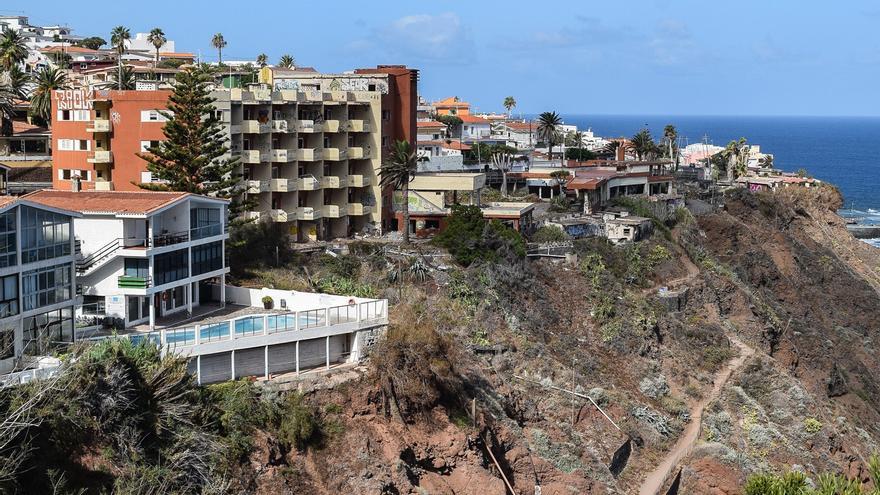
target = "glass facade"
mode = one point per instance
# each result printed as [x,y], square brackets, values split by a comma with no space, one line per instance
[44,235]
[45,286]
[170,267]
[137,267]
[8,296]
[207,258]
[47,331]
[204,222]
[8,255]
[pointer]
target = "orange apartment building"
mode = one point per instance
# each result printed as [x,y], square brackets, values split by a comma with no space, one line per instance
[452,106]
[96,135]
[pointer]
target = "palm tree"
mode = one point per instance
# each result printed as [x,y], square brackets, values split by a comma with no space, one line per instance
[219,43]
[262,60]
[548,130]
[397,172]
[17,81]
[735,155]
[157,39]
[642,144]
[47,80]
[13,49]
[611,148]
[509,104]
[286,62]
[670,136]
[118,37]
[127,82]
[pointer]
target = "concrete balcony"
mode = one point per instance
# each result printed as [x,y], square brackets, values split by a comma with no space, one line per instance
[355,153]
[278,215]
[359,209]
[103,185]
[332,182]
[257,186]
[252,215]
[335,154]
[361,97]
[308,154]
[255,127]
[100,125]
[358,181]
[283,156]
[358,125]
[310,97]
[283,185]
[308,213]
[100,156]
[331,126]
[335,211]
[282,126]
[308,184]
[252,156]
[338,96]
[307,126]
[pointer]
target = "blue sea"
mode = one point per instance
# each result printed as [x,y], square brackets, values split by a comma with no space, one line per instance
[840,150]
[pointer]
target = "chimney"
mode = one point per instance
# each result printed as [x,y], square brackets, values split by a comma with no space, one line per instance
[76,186]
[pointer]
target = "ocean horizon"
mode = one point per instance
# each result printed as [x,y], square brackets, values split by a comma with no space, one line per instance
[838,150]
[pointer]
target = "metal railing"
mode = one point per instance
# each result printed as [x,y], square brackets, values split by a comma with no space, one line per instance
[206,231]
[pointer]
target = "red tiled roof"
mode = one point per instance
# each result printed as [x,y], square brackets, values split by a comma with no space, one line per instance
[520,126]
[69,49]
[113,202]
[20,127]
[452,145]
[470,119]
[432,124]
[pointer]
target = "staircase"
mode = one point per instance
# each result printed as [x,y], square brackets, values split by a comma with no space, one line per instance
[98,258]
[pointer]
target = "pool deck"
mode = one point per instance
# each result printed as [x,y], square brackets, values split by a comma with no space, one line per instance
[204,314]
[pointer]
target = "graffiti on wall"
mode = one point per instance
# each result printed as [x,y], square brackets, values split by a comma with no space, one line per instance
[336,84]
[75,99]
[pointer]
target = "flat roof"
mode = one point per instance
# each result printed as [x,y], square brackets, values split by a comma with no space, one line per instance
[110,202]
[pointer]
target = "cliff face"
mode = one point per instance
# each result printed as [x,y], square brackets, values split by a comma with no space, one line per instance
[768,359]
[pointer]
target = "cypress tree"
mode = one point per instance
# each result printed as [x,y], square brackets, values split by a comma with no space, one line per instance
[191,159]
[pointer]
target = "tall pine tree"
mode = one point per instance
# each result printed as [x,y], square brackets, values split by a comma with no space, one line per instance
[191,159]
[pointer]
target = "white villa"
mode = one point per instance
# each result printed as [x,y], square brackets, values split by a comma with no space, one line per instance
[145,255]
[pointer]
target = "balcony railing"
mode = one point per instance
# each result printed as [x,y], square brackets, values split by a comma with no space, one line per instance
[334,211]
[308,213]
[281,126]
[255,127]
[358,181]
[100,156]
[331,126]
[355,153]
[308,154]
[332,182]
[359,209]
[257,186]
[130,282]
[358,125]
[308,184]
[278,215]
[254,156]
[335,96]
[307,126]
[206,231]
[100,125]
[282,185]
[335,154]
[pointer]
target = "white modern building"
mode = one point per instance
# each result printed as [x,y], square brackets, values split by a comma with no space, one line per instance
[145,255]
[37,293]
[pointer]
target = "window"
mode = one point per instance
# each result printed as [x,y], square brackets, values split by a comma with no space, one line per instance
[384,141]
[170,267]
[137,267]
[207,258]
[8,296]
[371,87]
[74,145]
[7,343]
[152,116]
[386,114]
[8,249]
[44,235]
[205,222]
[146,145]
[44,332]
[45,286]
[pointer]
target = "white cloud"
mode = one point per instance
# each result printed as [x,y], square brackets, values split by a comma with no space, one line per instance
[415,39]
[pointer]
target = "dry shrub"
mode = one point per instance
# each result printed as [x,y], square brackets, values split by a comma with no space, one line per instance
[413,366]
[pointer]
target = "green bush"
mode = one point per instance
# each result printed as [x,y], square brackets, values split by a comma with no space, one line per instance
[812,425]
[298,426]
[549,233]
[469,238]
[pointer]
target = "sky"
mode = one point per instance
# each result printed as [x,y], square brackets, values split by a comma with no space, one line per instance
[646,57]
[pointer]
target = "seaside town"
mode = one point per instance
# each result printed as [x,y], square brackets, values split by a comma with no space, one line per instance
[267,225]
